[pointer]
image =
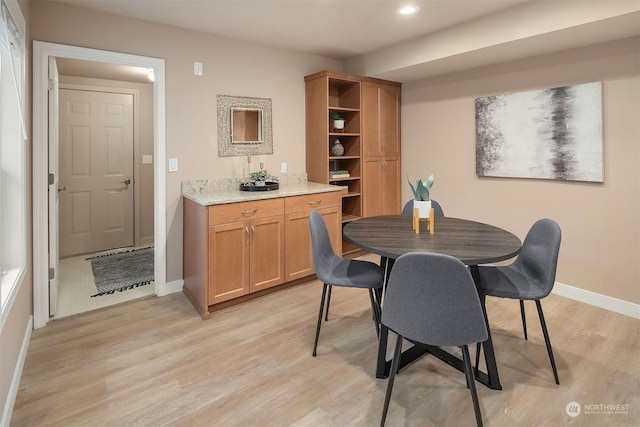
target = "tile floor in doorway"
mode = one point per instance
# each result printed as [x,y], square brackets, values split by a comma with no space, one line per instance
[76,286]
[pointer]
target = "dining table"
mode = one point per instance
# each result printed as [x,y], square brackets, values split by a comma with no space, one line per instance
[474,243]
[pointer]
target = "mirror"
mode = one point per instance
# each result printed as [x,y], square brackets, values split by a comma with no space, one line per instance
[244,126]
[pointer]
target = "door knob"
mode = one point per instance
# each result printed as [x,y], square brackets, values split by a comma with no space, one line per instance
[126,181]
[62,189]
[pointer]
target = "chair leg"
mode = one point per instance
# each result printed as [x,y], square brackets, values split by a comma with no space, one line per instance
[524,319]
[547,341]
[315,344]
[478,348]
[376,312]
[392,376]
[471,384]
[326,315]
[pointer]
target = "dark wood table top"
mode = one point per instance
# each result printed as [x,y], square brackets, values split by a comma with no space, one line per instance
[471,242]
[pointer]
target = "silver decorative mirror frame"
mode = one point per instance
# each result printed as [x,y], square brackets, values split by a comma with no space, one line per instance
[227,147]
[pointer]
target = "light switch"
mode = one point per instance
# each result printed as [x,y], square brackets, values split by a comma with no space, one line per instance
[197,68]
[283,167]
[147,159]
[173,164]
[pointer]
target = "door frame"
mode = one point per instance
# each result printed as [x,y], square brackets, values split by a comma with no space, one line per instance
[40,165]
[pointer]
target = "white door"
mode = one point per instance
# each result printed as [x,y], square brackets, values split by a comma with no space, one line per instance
[96,167]
[53,187]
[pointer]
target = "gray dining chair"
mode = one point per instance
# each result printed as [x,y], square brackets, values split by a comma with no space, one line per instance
[437,209]
[333,270]
[530,277]
[431,299]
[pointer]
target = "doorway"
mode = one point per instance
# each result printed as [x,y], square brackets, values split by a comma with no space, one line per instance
[42,52]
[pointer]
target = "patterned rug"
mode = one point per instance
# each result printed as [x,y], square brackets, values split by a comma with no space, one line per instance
[123,270]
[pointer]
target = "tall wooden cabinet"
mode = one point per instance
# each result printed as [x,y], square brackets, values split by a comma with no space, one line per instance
[371,140]
[381,148]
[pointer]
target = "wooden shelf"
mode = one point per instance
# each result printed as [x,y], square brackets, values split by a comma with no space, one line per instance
[351,178]
[349,218]
[351,195]
[343,157]
[345,109]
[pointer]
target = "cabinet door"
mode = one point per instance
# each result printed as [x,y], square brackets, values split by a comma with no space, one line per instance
[299,259]
[228,261]
[381,120]
[267,252]
[381,186]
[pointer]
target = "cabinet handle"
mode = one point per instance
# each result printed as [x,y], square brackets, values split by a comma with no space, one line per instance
[384,165]
[249,212]
[315,203]
[253,234]
[246,230]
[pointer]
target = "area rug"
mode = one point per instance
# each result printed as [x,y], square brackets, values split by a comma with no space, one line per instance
[122,270]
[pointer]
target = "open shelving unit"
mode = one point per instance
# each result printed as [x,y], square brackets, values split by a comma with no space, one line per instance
[327,93]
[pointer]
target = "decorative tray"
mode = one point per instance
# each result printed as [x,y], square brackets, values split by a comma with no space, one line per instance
[251,186]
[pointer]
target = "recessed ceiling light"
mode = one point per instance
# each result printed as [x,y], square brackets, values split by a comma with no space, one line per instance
[408,9]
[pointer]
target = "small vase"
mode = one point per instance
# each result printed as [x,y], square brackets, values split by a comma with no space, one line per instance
[424,208]
[338,125]
[337,149]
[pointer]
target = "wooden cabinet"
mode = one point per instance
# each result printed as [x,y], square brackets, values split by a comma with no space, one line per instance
[245,257]
[246,248]
[299,261]
[381,119]
[237,250]
[381,148]
[371,108]
[381,186]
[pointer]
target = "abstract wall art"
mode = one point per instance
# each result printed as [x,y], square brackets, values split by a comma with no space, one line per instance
[546,134]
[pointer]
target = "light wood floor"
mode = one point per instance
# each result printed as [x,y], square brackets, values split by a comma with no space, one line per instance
[153,362]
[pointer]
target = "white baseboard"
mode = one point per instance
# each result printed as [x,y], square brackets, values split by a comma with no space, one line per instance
[603,301]
[170,288]
[17,374]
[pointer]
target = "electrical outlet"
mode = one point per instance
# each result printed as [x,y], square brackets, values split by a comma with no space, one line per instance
[283,167]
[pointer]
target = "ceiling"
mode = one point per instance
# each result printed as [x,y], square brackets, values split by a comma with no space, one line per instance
[368,30]
[337,29]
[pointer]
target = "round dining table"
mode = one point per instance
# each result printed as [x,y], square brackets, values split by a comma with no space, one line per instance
[471,242]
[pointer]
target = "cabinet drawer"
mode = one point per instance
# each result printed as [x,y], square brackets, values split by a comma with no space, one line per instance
[312,201]
[221,214]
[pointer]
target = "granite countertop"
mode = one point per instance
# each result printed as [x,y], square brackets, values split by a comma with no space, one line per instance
[207,196]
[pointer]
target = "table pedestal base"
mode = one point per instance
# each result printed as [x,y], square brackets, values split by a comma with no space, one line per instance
[418,350]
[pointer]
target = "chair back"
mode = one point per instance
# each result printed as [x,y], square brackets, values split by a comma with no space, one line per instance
[432,299]
[538,258]
[437,209]
[324,257]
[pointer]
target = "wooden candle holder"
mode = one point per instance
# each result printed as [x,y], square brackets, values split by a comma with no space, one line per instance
[430,221]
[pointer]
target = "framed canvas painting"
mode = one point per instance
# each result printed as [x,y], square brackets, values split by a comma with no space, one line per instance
[546,134]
